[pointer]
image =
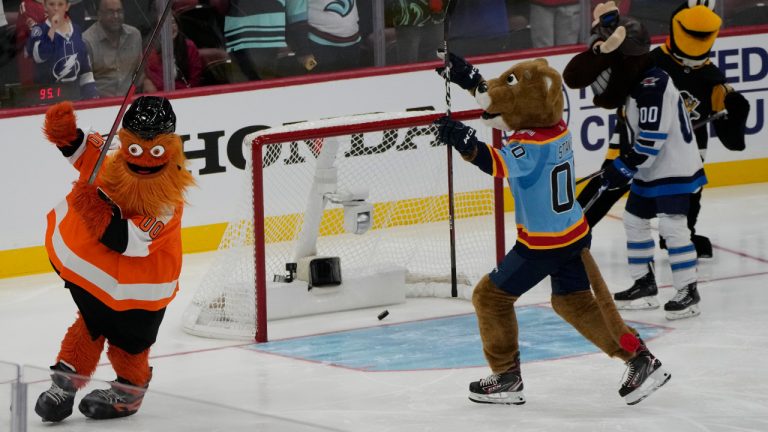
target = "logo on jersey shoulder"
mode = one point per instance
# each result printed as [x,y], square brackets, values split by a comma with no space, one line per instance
[341,7]
[691,103]
[36,31]
[649,82]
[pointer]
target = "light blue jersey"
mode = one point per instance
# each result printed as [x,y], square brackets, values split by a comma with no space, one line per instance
[538,163]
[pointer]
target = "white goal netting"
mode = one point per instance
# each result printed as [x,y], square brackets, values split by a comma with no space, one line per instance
[382,175]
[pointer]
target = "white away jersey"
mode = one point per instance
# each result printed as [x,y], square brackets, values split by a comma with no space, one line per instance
[660,129]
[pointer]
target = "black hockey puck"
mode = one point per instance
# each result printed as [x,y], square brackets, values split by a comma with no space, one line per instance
[383,314]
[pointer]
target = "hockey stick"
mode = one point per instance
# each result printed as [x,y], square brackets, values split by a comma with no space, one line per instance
[716,116]
[451,205]
[594,199]
[129,94]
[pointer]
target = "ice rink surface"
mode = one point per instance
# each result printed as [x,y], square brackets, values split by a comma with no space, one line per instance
[717,360]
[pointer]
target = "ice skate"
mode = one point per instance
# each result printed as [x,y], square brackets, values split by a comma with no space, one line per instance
[505,388]
[55,404]
[644,376]
[120,400]
[641,295]
[685,304]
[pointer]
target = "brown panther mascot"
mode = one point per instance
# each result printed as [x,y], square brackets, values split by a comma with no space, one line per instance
[552,233]
[116,242]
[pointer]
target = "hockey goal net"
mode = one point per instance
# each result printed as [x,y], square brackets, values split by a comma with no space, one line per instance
[357,200]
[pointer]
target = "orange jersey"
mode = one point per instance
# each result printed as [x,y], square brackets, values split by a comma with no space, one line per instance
[144,276]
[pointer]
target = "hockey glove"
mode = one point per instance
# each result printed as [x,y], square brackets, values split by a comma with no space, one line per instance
[462,72]
[617,174]
[456,134]
[737,106]
[732,128]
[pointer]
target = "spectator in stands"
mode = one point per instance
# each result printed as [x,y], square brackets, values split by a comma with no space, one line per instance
[188,68]
[115,50]
[418,28]
[334,35]
[479,27]
[59,52]
[142,15]
[31,13]
[257,31]
[555,22]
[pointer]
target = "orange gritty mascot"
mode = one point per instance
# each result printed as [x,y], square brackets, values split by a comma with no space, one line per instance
[116,243]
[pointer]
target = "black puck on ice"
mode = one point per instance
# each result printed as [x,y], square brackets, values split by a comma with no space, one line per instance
[383,314]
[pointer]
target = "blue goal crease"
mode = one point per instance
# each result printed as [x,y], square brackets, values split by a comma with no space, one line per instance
[439,343]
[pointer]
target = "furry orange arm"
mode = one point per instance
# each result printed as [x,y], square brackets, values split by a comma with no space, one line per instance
[96,212]
[61,124]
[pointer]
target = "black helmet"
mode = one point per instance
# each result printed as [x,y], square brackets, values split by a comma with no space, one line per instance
[149,116]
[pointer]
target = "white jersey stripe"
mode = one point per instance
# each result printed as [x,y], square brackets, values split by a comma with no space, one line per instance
[98,277]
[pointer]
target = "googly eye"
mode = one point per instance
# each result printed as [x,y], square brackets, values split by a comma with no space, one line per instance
[135,150]
[511,79]
[157,151]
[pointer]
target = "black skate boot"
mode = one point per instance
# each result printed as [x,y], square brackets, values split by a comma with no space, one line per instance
[685,304]
[504,388]
[703,246]
[55,404]
[120,400]
[644,376]
[641,295]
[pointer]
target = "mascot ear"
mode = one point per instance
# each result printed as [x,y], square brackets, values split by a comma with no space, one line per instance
[708,3]
[554,82]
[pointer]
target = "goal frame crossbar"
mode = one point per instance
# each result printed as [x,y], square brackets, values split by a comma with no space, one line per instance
[263,138]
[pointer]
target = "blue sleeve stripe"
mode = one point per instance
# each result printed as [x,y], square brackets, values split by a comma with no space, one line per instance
[681,250]
[683,265]
[650,151]
[640,260]
[641,245]
[669,189]
[656,136]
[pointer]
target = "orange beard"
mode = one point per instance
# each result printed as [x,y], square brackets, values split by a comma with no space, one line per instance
[156,195]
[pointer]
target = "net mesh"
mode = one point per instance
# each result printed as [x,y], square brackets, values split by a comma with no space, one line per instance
[401,173]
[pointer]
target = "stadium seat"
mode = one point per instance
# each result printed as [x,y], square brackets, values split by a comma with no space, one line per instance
[752,15]
[221,6]
[203,25]
[218,68]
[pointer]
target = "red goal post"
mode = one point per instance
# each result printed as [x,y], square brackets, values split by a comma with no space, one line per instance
[216,310]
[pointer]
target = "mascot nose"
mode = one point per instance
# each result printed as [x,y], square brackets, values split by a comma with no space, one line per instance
[482,87]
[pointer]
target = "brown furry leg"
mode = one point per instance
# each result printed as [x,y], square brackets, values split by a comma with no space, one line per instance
[626,336]
[580,310]
[131,367]
[80,351]
[498,325]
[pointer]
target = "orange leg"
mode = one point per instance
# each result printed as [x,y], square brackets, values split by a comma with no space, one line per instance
[131,367]
[80,351]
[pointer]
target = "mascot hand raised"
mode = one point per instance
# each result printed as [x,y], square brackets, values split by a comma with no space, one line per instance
[462,73]
[60,126]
